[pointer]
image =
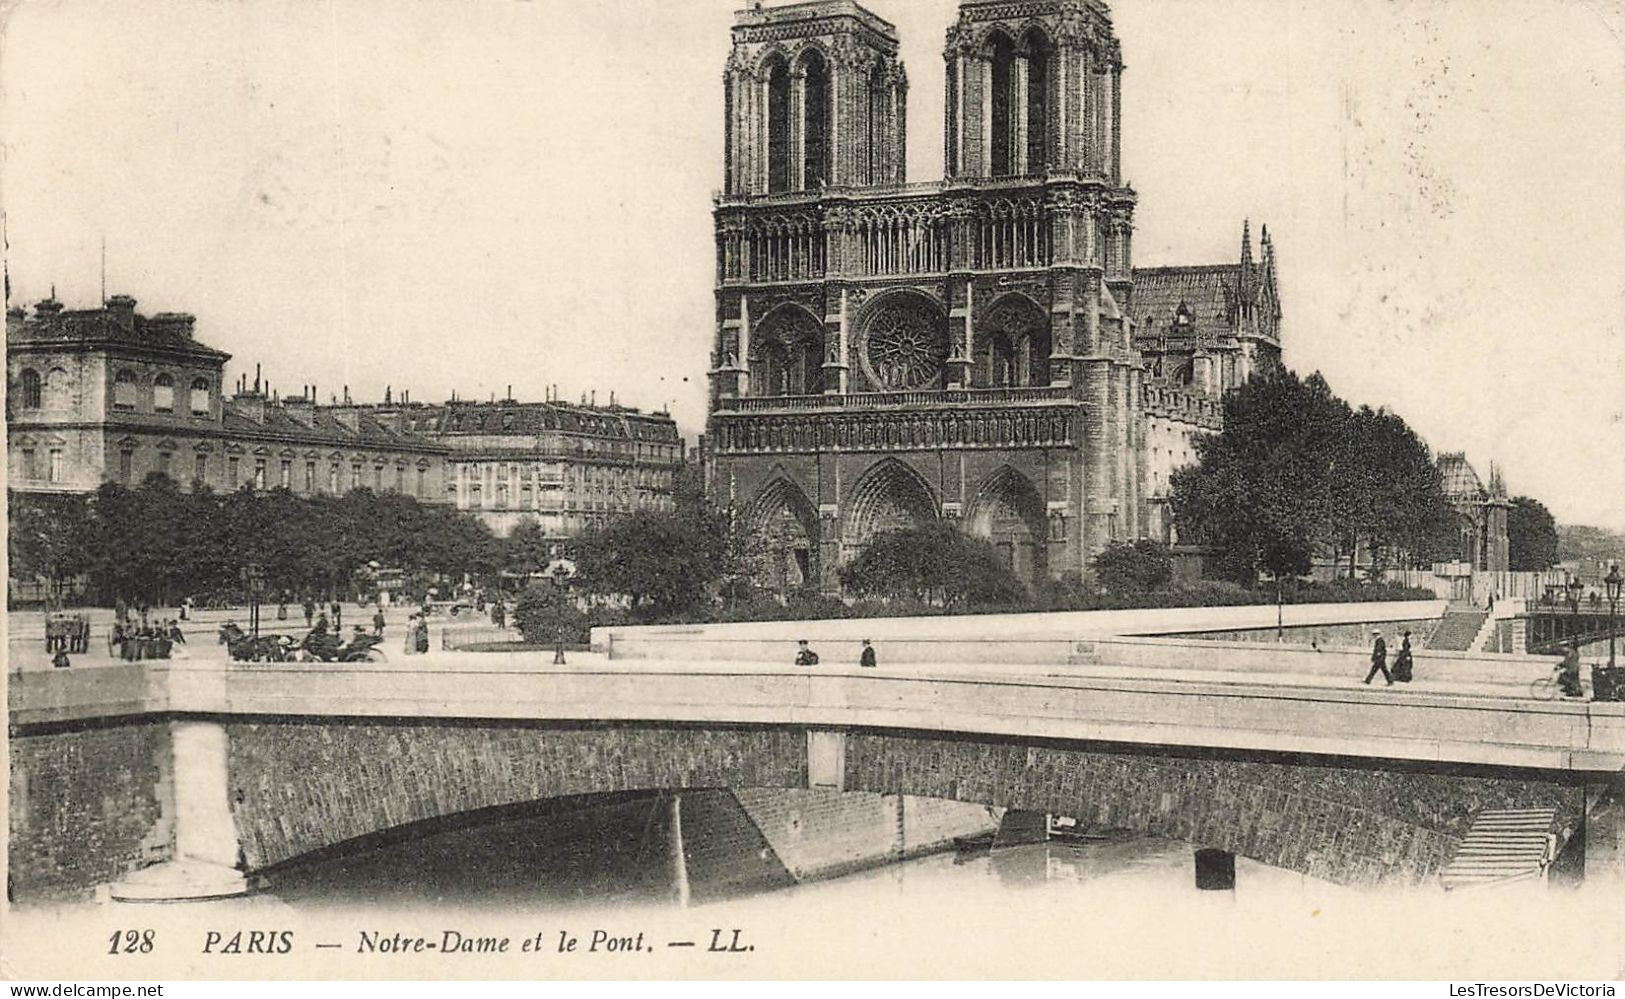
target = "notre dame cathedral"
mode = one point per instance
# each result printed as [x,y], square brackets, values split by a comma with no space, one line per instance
[978,349]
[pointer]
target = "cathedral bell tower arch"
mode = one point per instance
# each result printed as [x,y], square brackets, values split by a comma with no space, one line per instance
[814,96]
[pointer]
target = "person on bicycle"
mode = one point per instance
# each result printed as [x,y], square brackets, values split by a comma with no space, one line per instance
[1568,676]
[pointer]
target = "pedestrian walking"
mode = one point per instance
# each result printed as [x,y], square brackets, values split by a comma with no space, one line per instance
[1403,663]
[310,612]
[867,659]
[804,655]
[378,623]
[558,648]
[423,637]
[338,616]
[1379,658]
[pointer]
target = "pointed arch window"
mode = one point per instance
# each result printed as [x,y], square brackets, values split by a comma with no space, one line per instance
[1001,121]
[778,126]
[815,121]
[1038,53]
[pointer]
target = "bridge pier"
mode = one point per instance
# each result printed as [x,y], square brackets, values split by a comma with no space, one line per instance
[1603,831]
[206,853]
[1215,870]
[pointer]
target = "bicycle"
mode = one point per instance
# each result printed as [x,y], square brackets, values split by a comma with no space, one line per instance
[1547,688]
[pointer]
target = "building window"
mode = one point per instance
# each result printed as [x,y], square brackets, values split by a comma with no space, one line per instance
[502,496]
[57,394]
[200,469]
[200,397]
[377,478]
[163,394]
[355,475]
[287,473]
[259,473]
[423,483]
[29,471]
[32,390]
[124,390]
[310,476]
[55,470]
[126,463]
[232,465]
[333,477]
[164,459]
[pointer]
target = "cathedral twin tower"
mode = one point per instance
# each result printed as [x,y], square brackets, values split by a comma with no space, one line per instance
[890,354]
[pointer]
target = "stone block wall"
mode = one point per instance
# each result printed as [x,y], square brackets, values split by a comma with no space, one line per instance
[1349,824]
[1355,634]
[88,805]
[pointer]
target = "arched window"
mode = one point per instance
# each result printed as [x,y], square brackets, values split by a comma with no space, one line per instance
[1001,120]
[33,395]
[57,393]
[815,130]
[778,125]
[163,394]
[1038,54]
[124,390]
[200,397]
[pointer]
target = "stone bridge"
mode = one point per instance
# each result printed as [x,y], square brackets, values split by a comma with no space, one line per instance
[207,773]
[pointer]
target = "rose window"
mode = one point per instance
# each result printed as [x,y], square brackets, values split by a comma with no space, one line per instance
[905,350]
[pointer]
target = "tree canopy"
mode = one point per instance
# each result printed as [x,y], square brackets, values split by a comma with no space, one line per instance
[932,563]
[1297,471]
[1531,536]
[158,544]
[1134,567]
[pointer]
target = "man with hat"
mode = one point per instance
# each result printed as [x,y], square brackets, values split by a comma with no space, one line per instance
[1379,657]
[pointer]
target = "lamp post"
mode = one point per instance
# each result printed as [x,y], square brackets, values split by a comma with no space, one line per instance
[1576,588]
[254,577]
[1611,584]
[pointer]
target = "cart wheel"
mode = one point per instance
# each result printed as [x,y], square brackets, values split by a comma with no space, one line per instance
[376,655]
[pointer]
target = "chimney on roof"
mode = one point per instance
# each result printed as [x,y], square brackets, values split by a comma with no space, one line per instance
[180,324]
[121,309]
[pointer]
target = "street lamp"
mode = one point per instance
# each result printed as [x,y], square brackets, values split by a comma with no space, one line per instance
[1576,588]
[1611,583]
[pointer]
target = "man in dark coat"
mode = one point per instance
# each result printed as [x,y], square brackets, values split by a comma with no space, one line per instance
[804,655]
[1379,658]
[867,659]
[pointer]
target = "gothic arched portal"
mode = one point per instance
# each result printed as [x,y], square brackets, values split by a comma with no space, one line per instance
[1008,512]
[890,496]
[782,528]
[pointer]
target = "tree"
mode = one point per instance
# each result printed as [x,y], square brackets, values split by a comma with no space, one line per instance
[1296,471]
[1531,536]
[545,614]
[1134,567]
[527,549]
[661,562]
[933,563]
[48,537]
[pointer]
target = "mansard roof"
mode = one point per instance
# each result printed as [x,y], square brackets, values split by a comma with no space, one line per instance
[539,417]
[321,425]
[109,327]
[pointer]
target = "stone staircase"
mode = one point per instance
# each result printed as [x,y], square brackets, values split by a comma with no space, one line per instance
[1504,847]
[1459,630]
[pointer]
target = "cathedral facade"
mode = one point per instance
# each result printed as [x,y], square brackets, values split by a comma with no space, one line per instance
[978,349]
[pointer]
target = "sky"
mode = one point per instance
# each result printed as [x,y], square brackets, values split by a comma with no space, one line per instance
[472,194]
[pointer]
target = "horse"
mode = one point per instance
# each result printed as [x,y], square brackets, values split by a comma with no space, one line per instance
[244,647]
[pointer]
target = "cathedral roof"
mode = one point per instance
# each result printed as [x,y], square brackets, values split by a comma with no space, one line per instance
[1206,292]
[1458,476]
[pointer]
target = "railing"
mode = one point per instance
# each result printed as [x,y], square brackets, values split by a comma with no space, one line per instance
[889,400]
